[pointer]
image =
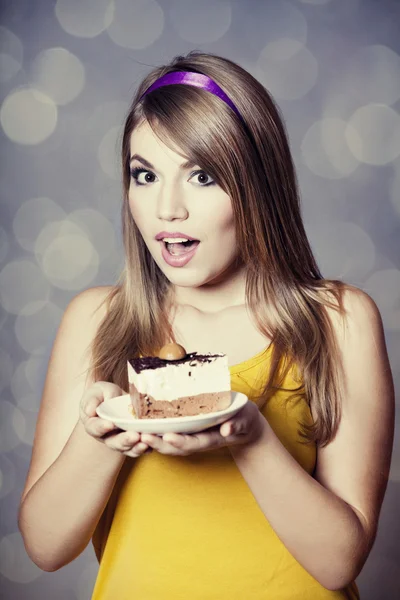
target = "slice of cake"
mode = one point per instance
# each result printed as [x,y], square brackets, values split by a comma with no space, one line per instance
[178,386]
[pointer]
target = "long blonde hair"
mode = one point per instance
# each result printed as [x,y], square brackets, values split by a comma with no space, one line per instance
[285,291]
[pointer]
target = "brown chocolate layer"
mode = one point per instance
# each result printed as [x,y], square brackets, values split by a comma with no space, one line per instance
[146,407]
[153,362]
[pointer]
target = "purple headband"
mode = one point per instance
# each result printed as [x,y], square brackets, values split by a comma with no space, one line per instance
[195,79]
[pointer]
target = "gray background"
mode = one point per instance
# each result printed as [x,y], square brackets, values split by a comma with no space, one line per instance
[68,70]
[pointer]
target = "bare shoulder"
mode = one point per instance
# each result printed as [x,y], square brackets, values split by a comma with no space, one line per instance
[91,303]
[361,315]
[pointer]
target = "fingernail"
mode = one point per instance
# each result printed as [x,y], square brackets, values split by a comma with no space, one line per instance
[227,431]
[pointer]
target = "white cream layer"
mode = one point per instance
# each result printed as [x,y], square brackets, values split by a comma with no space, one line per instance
[173,381]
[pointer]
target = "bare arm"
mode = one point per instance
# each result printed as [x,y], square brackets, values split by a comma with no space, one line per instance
[329,522]
[71,474]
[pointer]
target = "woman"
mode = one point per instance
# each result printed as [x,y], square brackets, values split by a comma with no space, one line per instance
[281,501]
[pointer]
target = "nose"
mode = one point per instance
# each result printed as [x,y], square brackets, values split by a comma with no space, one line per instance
[171,203]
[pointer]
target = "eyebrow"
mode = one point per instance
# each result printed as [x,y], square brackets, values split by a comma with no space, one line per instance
[187,165]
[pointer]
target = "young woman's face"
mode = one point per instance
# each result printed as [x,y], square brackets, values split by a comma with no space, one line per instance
[165,195]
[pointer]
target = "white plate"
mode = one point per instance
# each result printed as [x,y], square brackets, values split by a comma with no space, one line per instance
[118,410]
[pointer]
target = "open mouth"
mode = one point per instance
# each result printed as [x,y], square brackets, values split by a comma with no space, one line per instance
[178,248]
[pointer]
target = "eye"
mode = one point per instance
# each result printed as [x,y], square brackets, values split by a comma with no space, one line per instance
[142,176]
[203,178]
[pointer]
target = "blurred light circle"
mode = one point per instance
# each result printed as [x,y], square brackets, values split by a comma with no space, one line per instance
[375,74]
[27,435]
[21,283]
[384,287]
[59,74]
[137,23]
[3,316]
[289,69]
[84,583]
[11,54]
[15,563]
[102,118]
[6,369]
[212,19]
[12,426]
[84,18]
[324,149]
[108,153]
[271,21]
[78,258]
[67,257]
[27,383]
[318,2]
[343,251]
[4,243]
[373,134]
[28,116]
[7,476]
[394,189]
[34,330]
[30,218]
[98,228]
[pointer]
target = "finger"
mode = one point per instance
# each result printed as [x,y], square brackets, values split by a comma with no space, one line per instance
[124,442]
[226,429]
[138,450]
[97,427]
[96,394]
[194,442]
[163,447]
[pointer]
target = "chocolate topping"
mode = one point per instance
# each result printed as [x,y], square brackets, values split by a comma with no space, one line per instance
[153,362]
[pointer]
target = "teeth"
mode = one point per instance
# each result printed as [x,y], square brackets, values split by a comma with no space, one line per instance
[174,240]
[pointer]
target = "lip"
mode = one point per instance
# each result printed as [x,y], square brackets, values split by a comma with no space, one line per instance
[177,261]
[175,234]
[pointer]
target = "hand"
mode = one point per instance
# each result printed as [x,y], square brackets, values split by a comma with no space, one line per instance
[245,427]
[102,430]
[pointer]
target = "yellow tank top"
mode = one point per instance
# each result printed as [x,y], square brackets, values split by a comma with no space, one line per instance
[189,528]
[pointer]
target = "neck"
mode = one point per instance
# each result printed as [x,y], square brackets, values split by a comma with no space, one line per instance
[217,295]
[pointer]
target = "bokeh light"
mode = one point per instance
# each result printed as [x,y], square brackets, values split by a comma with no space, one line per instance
[59,74]
[27,383]
[32,329]
[325,151]
[67,257]
[4,244]
[201,22]
[7,475]
[271,21]
[12,426]
[15,563]
[288,69]
[30,218]
[343,251]
[384,287]
[26,434]
[11,54]
[394,187]
[6,369]
[373,134]
[108,153]
[22,283]
[98,229]
[84,18]
[317,2]
[375,74]
[28,116]
[136,24]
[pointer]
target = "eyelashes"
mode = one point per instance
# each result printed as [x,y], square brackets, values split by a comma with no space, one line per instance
[137,171]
